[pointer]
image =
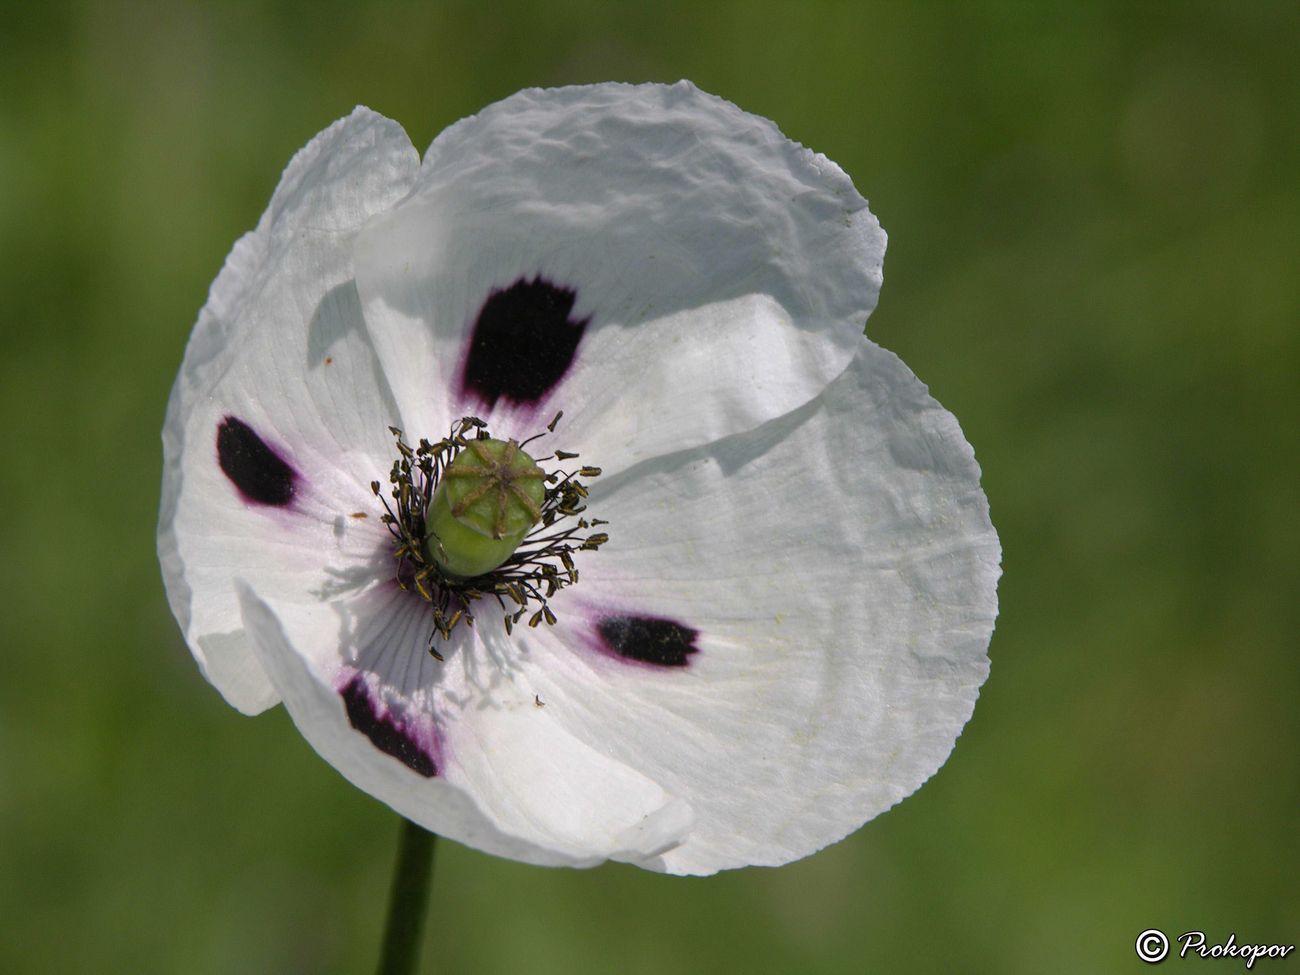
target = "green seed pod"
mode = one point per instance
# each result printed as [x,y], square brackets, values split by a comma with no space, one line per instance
[487,501]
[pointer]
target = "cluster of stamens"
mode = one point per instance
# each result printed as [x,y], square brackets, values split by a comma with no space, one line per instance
[540,567]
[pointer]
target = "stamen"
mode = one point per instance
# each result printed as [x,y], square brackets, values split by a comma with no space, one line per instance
[542,563]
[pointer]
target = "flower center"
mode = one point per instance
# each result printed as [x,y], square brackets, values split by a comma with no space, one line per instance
[489,498]
[474,517]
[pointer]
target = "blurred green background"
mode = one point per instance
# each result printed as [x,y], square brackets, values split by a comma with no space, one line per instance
[1094,221]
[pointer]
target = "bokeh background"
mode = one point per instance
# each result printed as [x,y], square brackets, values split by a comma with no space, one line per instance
[1094,220]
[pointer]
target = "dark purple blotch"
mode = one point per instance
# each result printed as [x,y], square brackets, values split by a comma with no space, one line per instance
[523,343]
[384,733]
[648,639]
[253,467]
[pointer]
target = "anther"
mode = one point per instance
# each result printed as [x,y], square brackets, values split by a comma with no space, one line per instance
[474,517]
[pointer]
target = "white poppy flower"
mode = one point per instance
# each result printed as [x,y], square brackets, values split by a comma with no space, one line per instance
[788,626]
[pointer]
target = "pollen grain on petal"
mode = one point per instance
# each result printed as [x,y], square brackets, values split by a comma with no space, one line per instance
[256,470]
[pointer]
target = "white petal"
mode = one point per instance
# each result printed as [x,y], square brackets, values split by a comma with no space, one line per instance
[280,347]
[463,746]
[840,569]
[724,272]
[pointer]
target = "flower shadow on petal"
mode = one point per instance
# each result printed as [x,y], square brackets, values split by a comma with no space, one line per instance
[731,454]
[384,633]
[383,670]
[339,315]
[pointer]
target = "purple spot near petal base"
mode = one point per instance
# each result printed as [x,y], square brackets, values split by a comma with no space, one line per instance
[523,343]
[386,733]
[253,467]
[648,640]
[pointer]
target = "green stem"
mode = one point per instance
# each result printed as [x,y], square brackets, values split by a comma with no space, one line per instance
[409,900]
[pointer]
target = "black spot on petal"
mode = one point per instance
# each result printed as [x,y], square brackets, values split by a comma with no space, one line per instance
[384,733]
[252,466]
[523,343]
[648,639]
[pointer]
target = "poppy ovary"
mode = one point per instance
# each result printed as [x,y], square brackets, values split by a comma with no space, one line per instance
[487,501]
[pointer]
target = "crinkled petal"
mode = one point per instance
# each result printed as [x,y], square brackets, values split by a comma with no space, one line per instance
[788,628]
[464,746]
[277,418]
[662,266]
